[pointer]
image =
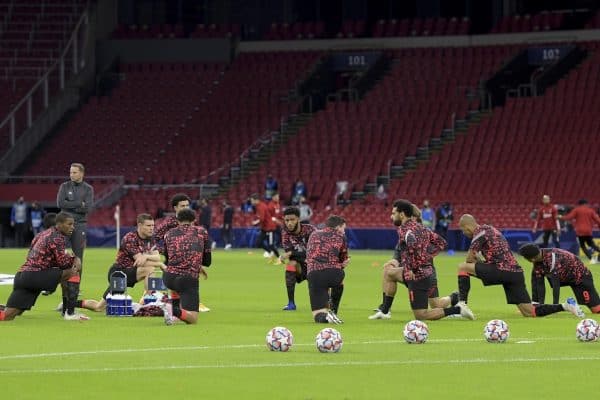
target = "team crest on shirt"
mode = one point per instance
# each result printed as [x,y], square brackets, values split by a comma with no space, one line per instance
[6,279]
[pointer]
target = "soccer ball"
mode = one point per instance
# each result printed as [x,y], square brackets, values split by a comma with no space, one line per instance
[329,340]
[588,330]
[279,339]
[416,332]
[266,254]
[496,331]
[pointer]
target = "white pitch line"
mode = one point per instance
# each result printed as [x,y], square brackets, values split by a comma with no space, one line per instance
[300,364]
[237,346]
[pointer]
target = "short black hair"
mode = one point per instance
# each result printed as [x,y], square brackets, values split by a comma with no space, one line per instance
[292,211]
[62,216]
[49,220]
[333,221]
[179,197]
[404,206]
[529,250]
[582,201]
[186,215]
[254,196]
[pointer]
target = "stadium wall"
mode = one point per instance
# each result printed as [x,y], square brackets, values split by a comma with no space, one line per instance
[364,238]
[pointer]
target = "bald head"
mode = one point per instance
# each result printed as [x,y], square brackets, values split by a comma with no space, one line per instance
[546,199]
[468,224]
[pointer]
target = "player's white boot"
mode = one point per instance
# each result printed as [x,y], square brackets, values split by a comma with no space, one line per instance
[571,306]
[465,311]
[381,315]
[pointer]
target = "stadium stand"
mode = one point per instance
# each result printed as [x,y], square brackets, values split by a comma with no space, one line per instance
[32,36]
[356,142]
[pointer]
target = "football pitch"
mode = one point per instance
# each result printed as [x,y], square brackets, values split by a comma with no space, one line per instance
[224,356]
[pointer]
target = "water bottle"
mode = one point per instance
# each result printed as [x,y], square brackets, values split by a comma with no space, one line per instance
[128,306]
[119,304]
[109,305]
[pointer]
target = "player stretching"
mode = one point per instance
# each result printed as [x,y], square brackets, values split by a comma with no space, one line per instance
[490,260]
[137,258]
[187,248]
[179,201]
[413,265]
[294,239]
[563,269]
[326,258]
[46,266]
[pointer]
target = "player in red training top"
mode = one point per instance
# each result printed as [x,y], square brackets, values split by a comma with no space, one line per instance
[326,258]
[264,220]
[46,266]
[547,219]
[394,270]
[563,269]
[187,248]
[294,240]
[489,259]
[584,218]
[137,258]
[179,201]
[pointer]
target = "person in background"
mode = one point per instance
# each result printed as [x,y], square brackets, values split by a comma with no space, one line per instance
[271,187]
[298,191]
[205,217]
[428,215]
[76,197]
[306,211]
[444,217]
[584,217]
[36,218]
[18,220]
[382,195]
[227,228]
[267,226]
[547,218]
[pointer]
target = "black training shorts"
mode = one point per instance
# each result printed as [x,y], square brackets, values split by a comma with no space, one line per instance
[512,282]
[187,288]
[29,284]
[420,291]
[319,283]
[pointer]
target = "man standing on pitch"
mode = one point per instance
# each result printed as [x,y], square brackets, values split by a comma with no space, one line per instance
[76,198]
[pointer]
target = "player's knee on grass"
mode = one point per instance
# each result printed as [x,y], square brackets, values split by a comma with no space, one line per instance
[526,309]
[420,314]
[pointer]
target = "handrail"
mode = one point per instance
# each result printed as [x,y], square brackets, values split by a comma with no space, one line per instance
[42,81]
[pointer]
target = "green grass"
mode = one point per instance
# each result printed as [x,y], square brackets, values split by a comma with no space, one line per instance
[224,356]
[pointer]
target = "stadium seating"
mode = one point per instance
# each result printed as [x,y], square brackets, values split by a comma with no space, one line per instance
[31,39]
[176,123]
[501,167]
[529,23]
[422,27]
[356,142]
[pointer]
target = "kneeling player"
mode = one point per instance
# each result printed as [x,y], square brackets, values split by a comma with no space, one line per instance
[393,272]
[563,269]
[187,248]
[46,266]
[137,258]
[294,239]
[490,259]
[326,258]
